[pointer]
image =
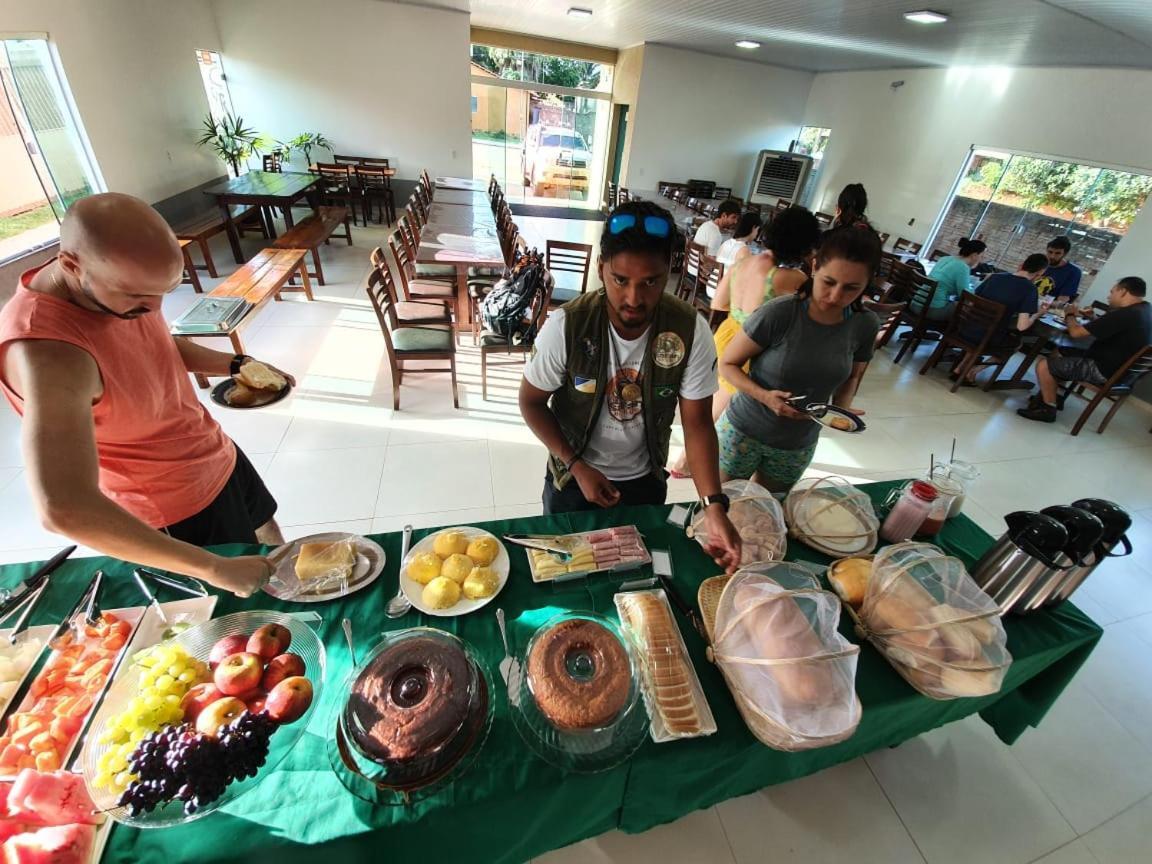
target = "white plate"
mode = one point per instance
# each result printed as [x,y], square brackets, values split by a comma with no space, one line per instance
[835,546]
[41,633]
[286,586]
[414,591]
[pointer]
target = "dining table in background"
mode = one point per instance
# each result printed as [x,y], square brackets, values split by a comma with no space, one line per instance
[466,197]
[463,236]
[466,184]
[263,189]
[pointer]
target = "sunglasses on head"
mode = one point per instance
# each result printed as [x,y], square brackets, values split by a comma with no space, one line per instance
[653,226]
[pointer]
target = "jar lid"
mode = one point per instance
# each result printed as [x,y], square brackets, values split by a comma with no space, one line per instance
[924,490]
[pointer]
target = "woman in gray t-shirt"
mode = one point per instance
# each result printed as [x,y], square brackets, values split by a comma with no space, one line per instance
[816,344]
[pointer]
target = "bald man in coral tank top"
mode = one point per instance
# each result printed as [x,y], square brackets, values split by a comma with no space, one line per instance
[120,454]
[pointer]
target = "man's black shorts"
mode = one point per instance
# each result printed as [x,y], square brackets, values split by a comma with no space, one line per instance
[243,505]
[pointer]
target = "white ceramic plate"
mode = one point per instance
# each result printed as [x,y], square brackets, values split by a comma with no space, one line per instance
[286,586]
[414,591]
[40,634]
[833,545]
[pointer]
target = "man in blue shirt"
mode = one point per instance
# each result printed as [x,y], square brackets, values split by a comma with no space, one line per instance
[1062,278]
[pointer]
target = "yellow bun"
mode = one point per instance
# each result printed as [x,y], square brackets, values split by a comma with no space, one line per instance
[481,582]
[483,551]
[849,577]
[842,423]
[450,543]
[457,567]
[441,593]
[424,567]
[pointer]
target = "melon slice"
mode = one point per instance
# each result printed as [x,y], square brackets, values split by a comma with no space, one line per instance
[55,798]
[62,844]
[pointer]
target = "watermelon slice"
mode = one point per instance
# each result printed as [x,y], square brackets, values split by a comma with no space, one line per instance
[11,827]
[63,844]
[55,798]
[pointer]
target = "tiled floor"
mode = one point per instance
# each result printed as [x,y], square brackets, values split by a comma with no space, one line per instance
[1075,791]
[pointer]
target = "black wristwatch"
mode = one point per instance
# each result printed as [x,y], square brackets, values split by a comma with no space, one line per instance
[237,361]
[719,498]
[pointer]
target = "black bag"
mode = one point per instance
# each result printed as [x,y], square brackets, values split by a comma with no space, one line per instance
[506,308]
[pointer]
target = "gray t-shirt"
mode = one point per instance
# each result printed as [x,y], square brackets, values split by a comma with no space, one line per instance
[802,357]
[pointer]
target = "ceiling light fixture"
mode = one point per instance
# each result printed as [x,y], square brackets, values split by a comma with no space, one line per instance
[578,12]
[926,16]
[747,44]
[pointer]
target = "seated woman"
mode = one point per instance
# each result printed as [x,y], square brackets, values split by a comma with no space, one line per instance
[814,344]
[755,279]
[951,275]
[850,207]
[736,247]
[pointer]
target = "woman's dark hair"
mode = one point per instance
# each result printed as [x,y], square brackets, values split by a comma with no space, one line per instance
[1035,263]
[853,201]
[635,238]
[792,235]
[857,243]
[971,247]
[749,224]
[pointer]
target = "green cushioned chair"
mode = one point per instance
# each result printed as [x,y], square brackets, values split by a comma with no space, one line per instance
[421,339]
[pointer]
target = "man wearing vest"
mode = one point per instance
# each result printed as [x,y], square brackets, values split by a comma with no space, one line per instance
[120,454]
[609,370]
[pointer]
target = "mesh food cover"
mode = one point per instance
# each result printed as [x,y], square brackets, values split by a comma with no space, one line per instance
[832,516]
[935,625]
[758,518]
[788,668]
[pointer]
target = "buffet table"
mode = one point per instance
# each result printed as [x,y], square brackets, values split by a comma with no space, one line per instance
[512,806]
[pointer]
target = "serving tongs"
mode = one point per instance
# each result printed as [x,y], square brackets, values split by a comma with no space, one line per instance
[84,613]
[13,599]
[662,568]
[542,542]
[190,588]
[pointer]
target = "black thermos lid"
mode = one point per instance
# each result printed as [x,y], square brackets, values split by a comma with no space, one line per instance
[1115,518]
[1084,529]
[1041,532]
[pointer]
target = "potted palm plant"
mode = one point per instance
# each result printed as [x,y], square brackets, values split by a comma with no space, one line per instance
[306,141]
[231,140]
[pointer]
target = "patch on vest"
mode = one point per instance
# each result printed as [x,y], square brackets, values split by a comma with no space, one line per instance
[626,395]
[665,392]
[668,350]
[584,385]
[590,348]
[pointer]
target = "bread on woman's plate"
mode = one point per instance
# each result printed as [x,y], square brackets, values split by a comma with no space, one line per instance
[259,376]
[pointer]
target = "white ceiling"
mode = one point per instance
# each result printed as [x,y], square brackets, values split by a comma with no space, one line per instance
[830,35]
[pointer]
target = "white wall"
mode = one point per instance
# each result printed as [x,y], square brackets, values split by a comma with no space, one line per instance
[625,91]
[907,146]
[375,78]
[705,117]
[132,71]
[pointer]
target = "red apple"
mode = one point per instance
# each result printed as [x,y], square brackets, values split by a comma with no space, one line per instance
[254,699]
[218,715]
[289,699]
[197,699]
[280,667]
[269,640]
[238,673]
[225,647]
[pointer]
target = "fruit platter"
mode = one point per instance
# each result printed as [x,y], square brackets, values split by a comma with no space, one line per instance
[198,719]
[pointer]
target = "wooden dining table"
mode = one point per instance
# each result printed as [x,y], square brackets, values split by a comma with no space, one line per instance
[263,189]
[463,197]
[466,184]
[463,236]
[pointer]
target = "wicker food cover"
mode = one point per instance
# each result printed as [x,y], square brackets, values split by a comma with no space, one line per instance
[832,516]
[791,673]
[935,625]
[758,518]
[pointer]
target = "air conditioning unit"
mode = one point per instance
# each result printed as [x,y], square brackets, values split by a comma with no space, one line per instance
[779,174]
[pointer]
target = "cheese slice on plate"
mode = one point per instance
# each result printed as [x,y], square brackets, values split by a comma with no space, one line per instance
[326,559]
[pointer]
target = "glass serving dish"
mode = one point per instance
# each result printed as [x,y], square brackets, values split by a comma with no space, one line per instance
[198,641]
[417,712]
[583,749]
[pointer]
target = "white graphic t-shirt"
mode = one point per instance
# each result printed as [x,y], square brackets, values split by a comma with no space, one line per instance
[617,447]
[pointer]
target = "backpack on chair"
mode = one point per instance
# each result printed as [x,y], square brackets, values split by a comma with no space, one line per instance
[506,308]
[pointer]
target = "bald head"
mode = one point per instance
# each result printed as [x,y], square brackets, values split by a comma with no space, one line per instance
[116,248]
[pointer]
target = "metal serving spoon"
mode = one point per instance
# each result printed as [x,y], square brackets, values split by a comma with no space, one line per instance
[399,605]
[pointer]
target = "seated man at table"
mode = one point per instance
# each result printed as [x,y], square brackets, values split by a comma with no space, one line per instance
[609,370]
[120,454]
[710,235]
[1061,280]
[1016,292]
[1117,335]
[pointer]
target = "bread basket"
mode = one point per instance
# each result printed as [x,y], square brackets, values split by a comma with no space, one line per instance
[832,516]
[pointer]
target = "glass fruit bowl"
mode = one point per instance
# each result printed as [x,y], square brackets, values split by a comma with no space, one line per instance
[198,642]
[576,701]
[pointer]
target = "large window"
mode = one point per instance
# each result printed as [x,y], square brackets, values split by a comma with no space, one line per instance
[813,141]
[540,124]
[1017,202]
[215,84]
[43,158]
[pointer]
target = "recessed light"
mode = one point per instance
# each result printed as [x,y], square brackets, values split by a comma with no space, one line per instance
[578,12]
[747,44]
[926,16]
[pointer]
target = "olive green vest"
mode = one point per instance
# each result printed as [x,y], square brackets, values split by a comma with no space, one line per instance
[588,351]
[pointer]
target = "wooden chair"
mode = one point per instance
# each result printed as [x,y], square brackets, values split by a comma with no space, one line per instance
[902,281]
[376,187]
[377,162]
[973,314]
[411,287]
[693,252]
[403,344]
[409,313]
[560,256]
[336,188]
[889,315]
[272,163]
[908,247]
[825,220]
[937,254]
[344,160]
[1115,390]
[625,196]
[722,193]
[411,239]
[883,235]
[707,281]
[923,328]
[491,343]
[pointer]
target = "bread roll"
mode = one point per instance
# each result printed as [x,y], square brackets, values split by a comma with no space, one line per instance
[258,376]
[240,395]
[849,576]
[969,682]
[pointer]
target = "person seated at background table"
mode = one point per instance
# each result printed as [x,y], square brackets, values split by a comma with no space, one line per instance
[1062,278]
[736,247]
[710,235]
[952,275]
[120,454]
[1117,335]
[789,240]
[813,345]
[850,207]
[607,373]
[1016,292]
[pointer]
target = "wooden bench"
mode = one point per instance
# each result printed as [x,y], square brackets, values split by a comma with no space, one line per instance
[198,230]
[268,273]
[318,228]
[191,277]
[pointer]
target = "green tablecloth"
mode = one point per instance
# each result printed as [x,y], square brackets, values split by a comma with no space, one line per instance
[511,805]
